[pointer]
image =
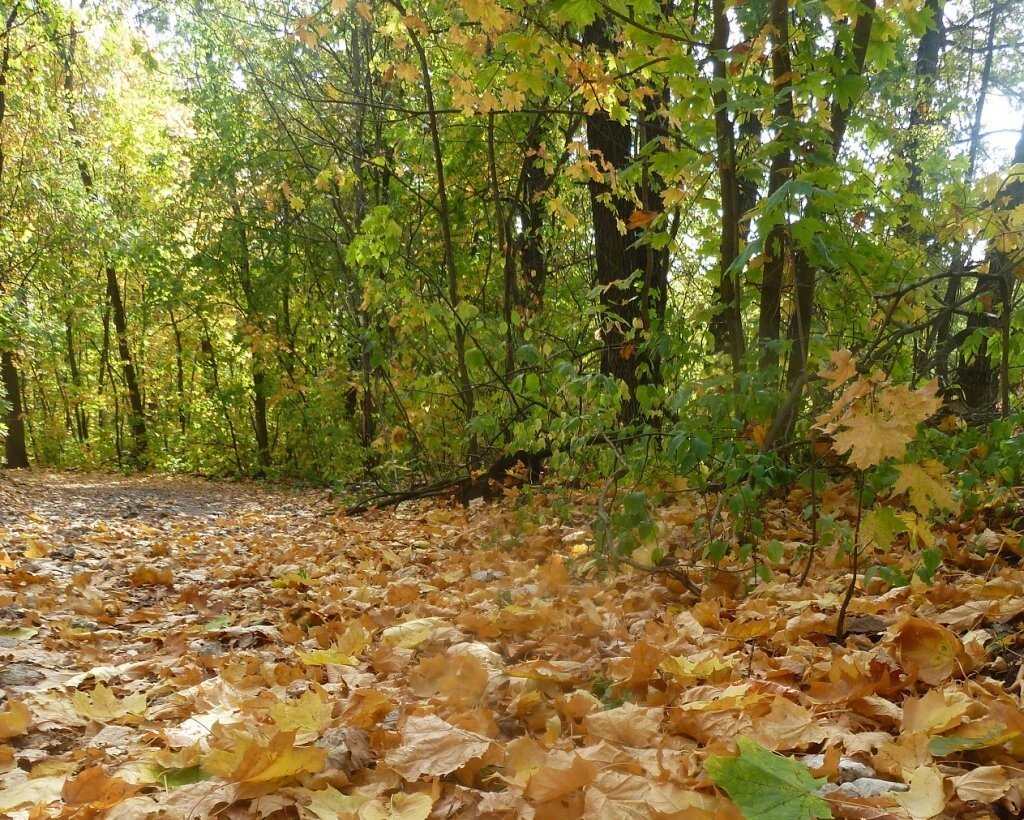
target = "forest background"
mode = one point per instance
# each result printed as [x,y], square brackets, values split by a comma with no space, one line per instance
[383,243]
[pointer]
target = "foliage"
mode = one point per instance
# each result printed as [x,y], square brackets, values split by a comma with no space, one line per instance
[767,785]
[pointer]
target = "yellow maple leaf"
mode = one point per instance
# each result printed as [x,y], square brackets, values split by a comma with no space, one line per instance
[844,368]
[14,720]
[307,716]
[926,485]
[103,707]
[871,437]
[251,761]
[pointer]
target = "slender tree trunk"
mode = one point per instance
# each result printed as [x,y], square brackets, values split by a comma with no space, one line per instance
[81,417]
[15,444]
[179,374]
[804,272]
[979,377]
[727,324]
[137,422]
[778,243]
[448,244]
[943,341]
[261,428]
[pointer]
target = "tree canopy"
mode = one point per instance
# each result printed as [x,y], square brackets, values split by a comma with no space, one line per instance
[389,241]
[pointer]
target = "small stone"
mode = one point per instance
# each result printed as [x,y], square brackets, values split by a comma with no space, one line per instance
[487,575]
[865,787]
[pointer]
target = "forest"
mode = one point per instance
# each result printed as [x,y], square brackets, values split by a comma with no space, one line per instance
[699,314]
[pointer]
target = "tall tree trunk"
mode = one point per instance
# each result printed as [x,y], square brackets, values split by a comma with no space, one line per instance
[943,339]
[778,242]
[466,392]
[804,272]
[137,422]
[81,417]
[727,324]
[261,428]
[179,374]
[620,263]
[979,377]
[15,444]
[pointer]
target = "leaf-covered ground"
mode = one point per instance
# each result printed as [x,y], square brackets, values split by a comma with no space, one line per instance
[183,649]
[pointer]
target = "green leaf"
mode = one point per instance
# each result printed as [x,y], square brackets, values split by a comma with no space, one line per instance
[768,786]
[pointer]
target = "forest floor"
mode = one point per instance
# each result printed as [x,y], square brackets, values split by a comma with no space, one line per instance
[179,648]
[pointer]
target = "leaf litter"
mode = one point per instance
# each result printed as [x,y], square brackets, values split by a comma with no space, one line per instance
[176,648]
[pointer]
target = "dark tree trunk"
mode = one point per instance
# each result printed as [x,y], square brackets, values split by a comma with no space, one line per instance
[980,377]
[137,422]
[620,263]
[179,380]
[81,417]
[804,273]
[777,243]
[15,446]
[727,324]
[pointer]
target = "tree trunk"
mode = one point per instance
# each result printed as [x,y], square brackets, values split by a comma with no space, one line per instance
[979,377]
[804,273]
[137,422]
[14,445]
[778,243]
[81,417]
[727,324]
[619,262]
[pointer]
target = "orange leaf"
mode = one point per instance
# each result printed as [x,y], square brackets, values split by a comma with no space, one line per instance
[640,219]
[96,789]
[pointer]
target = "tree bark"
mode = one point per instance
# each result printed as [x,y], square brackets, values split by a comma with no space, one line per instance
[137,422]
[978,376]
[727,324]
[81,417]
[619,262]
[15,447]
[777,243]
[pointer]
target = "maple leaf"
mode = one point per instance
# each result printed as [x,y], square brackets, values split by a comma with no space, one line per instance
[871,437]
[926,797]
[103,707]
[844,368]
[640,219]
[927,486]
[94,788]
[14,720]
[251,761]
[927,650]
[307,716]
[766,785]
[431,746]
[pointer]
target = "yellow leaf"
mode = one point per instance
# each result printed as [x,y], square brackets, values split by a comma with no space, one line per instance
[250,761]
[871,437]
[986,784]
[927,486]
[103,707]
[926,797]
[844,368]
[14,720]
[307,716]
[330,804]
[935,713]
[94,788]
[927,650]
[433,747]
